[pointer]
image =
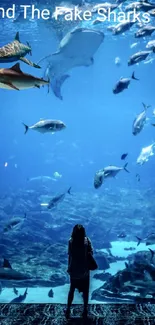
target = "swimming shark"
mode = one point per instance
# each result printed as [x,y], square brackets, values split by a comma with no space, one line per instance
[68,56]
[19,299]
[7,273]
[15,79]
[16,51]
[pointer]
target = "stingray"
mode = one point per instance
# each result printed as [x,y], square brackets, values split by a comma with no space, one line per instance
[76,49]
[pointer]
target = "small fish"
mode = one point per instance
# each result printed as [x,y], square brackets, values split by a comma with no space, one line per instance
[145,31]
[123,84]
[112,171]
[124,156]
[15,291]
[57,199]
[45,126]
[139,56]
[133,45]
[19,299]
[138,177]
[57,175]
[150,45]
[139,121]
[122,27]
[140,6]
[122,235]
[50,293]
[118,61]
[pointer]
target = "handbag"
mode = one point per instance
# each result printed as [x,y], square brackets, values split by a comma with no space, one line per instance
[92,265]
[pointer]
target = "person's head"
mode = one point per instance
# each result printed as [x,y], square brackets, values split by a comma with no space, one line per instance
[78,233]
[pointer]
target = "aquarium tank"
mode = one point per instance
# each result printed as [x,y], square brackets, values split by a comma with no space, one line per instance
[77,147]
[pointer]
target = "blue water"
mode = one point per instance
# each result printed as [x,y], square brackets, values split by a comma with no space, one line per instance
[99,123]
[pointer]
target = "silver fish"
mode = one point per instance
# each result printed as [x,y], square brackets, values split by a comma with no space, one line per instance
[45,126]
[145,154]
[145,31]
[57,199]
[139,56]
[112,171]
[139,121]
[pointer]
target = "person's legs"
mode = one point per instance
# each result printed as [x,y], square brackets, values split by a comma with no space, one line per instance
[86,296]
[70,299]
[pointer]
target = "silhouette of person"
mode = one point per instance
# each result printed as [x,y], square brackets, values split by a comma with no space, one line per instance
[78,248]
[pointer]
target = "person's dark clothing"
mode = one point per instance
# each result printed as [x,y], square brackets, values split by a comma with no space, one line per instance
[78,270]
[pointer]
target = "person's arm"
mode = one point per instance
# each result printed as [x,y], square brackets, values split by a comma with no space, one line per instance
[90,248]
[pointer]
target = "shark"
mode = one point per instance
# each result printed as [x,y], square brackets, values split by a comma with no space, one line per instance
[16,51]
[8,273]
[19,299]
[15,79]
[76,49]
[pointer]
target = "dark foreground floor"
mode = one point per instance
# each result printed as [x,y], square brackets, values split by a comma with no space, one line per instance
[51,314]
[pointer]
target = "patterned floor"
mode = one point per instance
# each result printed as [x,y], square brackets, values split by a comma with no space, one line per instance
[53,314]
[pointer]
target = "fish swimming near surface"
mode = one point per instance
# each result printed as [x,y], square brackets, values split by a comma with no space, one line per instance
[46,126]
[105,6]
[16,51]
[139,56]
[68,55]
[122,27]
[123,84]
[7,273]
[146,6]
[140,121]
[57,199]
[140,5]
[15,79]
[124,156]
[19,299]
[145,154]
[150,45]
[145,31]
